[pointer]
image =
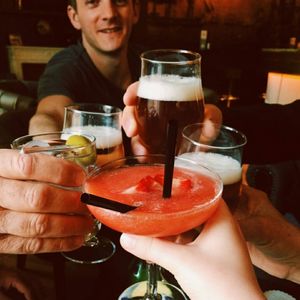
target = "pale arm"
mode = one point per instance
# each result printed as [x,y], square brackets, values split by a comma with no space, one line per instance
[49,115]
[216,265]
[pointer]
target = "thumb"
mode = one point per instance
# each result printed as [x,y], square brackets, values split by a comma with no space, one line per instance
[159,251]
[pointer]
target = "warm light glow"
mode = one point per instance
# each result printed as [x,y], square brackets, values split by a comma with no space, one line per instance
[282,88]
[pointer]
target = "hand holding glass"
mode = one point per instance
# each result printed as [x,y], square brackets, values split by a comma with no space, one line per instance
[138,181]
[170,88]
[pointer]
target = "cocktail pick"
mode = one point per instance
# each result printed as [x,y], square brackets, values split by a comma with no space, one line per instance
[106,203]
[170,157]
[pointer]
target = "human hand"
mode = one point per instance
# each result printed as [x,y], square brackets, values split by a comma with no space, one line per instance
[35,214]
[210,266]
[212,114]
[12,282]
[273,243]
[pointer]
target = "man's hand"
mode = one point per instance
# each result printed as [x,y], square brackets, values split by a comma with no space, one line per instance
[212,114]
[12,280]
[274,243]
[39,211]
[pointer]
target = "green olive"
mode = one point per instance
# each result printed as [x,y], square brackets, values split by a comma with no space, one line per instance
[85,156]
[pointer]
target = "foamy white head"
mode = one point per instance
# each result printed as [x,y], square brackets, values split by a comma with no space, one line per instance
[170,88]
[106,137]
[228,168]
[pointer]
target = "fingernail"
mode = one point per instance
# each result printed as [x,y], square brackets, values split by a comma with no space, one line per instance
[128,241]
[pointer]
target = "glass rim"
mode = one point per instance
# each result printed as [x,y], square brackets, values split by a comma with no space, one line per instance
[14,144]
[197,56]
[214,175]
[207,146]
[74,107]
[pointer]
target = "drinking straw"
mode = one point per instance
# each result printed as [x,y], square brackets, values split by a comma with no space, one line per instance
[170,158]
[105,203]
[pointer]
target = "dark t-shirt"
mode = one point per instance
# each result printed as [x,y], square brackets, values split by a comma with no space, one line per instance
[72,73]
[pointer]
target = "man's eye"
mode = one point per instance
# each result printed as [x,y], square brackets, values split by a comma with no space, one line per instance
[92,2]
[121,2]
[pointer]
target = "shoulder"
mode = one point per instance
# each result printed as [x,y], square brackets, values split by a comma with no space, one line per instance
[69,56]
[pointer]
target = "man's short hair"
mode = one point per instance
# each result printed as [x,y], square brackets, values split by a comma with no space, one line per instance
[74,4]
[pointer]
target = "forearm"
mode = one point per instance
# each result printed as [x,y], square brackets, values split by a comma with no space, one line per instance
[42,122]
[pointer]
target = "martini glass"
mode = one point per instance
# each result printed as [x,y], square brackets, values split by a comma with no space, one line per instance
[94,249]
[138,182]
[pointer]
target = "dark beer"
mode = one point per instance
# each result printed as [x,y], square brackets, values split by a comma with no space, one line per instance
[163,98]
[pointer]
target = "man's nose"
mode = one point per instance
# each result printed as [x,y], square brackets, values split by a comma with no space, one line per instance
[108,9]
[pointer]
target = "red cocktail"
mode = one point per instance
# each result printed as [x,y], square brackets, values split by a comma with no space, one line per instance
[139,182]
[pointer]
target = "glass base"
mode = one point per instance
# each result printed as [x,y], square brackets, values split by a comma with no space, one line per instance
[166,291]
[99,253]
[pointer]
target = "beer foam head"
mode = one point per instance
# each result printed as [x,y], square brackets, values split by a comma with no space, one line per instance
[228,168]
[106,137]
[170,88]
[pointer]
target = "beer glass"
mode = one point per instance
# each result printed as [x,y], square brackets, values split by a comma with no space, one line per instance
[218,148]
[170,88]
[103,122]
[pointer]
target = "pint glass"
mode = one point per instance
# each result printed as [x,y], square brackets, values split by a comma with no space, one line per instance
[170,88]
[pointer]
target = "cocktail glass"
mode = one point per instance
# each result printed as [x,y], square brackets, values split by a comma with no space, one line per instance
[138,181]
[103,122]
[93,250]
[170,88]
[219,148]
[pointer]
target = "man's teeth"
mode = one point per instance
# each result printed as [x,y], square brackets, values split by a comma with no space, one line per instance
[110,30]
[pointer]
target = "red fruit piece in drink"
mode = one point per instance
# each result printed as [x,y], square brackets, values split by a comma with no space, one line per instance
[146,184]
[149,183]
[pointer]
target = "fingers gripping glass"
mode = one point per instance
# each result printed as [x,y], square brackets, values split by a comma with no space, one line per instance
[138,182]
[82,150]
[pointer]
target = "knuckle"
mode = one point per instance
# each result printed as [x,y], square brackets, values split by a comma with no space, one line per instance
[3,221]
[36,197]
[39,224]
[25,164]
[32,245]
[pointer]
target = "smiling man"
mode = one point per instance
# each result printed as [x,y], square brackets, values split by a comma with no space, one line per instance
[98,68]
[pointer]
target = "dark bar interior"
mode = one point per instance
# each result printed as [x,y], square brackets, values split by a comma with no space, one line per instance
[250,69]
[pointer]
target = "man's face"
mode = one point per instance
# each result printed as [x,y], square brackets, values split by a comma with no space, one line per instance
[106,25]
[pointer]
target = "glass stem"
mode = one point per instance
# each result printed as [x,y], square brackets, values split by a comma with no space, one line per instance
[153,272]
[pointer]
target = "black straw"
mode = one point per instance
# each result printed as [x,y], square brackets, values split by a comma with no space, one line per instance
[170,157]
[105,203]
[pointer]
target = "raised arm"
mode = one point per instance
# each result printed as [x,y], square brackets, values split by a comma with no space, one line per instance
[49,115]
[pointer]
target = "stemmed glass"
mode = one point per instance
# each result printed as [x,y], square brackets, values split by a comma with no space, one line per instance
[219,148]
[82,152]
[138,182]
[103,122]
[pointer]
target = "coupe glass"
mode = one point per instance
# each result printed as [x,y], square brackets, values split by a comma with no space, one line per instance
[219,148]
[54,143]
[103,122]
[170,88]
[138,181]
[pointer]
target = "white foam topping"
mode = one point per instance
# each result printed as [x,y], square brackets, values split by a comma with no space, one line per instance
[106,137]
[228,168]
[170,88]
